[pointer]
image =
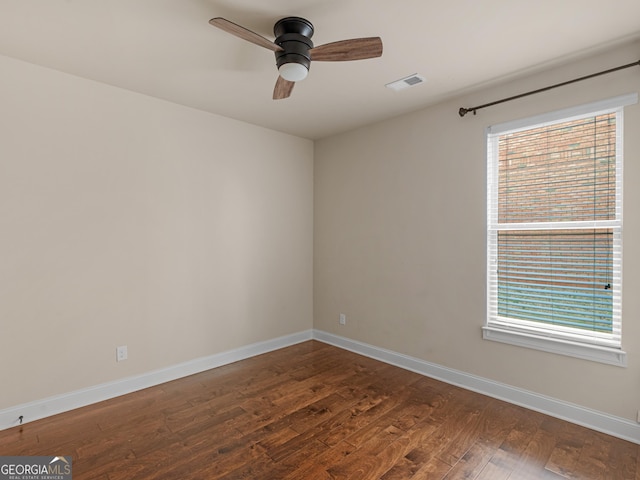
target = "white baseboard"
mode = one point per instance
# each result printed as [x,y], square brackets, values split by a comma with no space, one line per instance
[601,422]
[62,403]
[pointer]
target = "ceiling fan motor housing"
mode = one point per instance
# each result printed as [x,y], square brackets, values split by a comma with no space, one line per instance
[293,34]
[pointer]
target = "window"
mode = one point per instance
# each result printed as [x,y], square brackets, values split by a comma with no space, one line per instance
[554,232]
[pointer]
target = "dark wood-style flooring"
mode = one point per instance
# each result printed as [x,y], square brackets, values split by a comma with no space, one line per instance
[313,411]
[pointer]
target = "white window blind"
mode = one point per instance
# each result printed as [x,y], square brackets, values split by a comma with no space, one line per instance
[554,229]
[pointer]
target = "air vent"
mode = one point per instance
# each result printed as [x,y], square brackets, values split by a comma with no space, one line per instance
[406,82]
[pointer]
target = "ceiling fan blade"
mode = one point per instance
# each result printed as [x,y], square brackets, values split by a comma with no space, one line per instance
[344,50]
[282,89]
[243,33]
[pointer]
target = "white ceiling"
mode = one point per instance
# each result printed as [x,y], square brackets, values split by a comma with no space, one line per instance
[167,49]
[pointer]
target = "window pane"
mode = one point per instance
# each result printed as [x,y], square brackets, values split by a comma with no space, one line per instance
[560,172]
[559,277]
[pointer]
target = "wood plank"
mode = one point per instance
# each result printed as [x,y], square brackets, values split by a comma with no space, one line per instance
[532,461]
[473,461]
[566,454]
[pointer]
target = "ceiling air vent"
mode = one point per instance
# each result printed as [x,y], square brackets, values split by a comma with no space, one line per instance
[406,82]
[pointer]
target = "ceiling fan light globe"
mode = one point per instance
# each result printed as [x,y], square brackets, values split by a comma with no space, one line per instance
[293,72]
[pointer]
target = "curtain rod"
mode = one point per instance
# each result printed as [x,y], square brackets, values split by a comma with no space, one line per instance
[463,111]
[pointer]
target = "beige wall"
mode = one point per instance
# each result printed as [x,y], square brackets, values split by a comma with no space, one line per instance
[126,220]
[399,220]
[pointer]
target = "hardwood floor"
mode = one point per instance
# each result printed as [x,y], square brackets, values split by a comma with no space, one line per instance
[313,411]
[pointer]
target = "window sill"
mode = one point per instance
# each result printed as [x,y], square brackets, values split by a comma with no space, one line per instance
[594,353]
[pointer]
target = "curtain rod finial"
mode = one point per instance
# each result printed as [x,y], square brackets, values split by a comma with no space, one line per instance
[463,111]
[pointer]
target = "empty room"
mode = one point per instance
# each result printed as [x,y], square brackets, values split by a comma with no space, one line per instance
[319,240]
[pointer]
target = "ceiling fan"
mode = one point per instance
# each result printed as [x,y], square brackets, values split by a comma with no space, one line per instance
[294,49]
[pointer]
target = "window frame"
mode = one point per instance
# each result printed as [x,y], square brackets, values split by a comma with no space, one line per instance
[555,340]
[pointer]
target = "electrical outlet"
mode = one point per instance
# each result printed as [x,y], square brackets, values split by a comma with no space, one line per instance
[343,319]
[121,353]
